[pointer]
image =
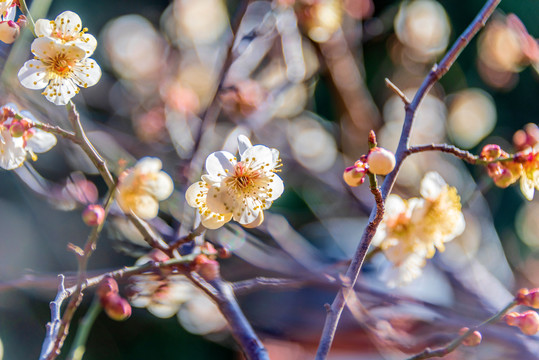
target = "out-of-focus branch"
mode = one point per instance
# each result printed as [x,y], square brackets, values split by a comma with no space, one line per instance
[453,345]
[334,312]
[262,283]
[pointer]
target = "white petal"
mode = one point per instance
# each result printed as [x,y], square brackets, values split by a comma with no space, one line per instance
[60,91]
[276,186]
[148,165]
[211,180]
[86,73]
[243,144]
[219,201]
[257,156]
[214,221]
[196,194]
[275,154]
[10,13]
[220,163]
[164,310]
[246,214]
[43,27]
[394,206]
[41,142]
[144,206]
[46,47]
[33,75]
[160,186]
[68,23]
[12,153]
[431,185]
[526,186]
[87,42]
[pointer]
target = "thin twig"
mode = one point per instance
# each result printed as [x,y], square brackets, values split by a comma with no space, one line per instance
[58,131]
[398,92]
[461,154]
[54,325]
[334,312]
[453,345]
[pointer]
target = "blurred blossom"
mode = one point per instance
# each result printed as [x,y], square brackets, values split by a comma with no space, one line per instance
[165,295]
[505,48]
[180,98]
[128,231]
[291,101]
[141,187]
[527,137]
[412,230]
[423,26]
[242,98]
[527,225]
[466,245]
[320,18]
[150,125]
[134,48]
[312,146]
[18,138]
[472,116]
[201,21]
[359,9]
[80,189]
[200,79]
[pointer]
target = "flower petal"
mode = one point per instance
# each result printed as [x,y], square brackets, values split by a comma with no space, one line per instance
[243,144]
[86,73]
[41,141]
[87,42]
[526,186]
[159,185]
[43,27]
[259,156]
[60,91]
[195,195]
[148,165]
[68,24]
[431,185]
[33,75]
[219,201]
[276,187]
[213,220]
[220,163]
[12,153]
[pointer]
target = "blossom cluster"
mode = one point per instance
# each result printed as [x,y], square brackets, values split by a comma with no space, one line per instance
[62,62]
[19,137]
[524,165]
[378,161]
[412,230]
[239,190]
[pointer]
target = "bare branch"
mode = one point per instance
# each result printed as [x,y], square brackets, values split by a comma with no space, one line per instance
[398,92]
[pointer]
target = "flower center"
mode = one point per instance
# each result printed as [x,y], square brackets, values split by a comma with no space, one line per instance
[61,65]
[243,177]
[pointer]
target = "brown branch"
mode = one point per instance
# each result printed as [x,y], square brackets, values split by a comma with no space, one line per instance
[453,345]
[335,310]
[461,154]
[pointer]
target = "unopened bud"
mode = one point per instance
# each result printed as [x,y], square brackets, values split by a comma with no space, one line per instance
[381,161]
[473,339]
[93,215]
[256,222]
[116,307]
[107,287]
[224,253]
[372,139]
[527,322]
[9,31]
[207,268]
[491,152]
[17,129]
[355,175]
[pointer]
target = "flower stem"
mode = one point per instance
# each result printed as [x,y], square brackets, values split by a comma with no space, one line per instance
[79,343]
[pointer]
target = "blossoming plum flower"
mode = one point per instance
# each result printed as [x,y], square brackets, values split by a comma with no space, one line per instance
[196,197]
[529,179]
[15,145]
[413,229]
[61,61]
[141,187]
[242,188]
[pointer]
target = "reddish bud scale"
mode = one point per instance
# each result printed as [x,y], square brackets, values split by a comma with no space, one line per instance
[207,268]
[528,297]
[116,307]
[93,215]
[473,339]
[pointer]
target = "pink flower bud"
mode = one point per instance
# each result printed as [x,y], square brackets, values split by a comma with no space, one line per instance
[17,129]
[473,339]
[381,161]
[116,307]
[9,31]
[207,268]
[491,152]
[106,287]
[529,322]
[93,215]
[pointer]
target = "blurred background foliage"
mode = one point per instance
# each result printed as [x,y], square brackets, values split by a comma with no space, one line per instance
[161,69]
